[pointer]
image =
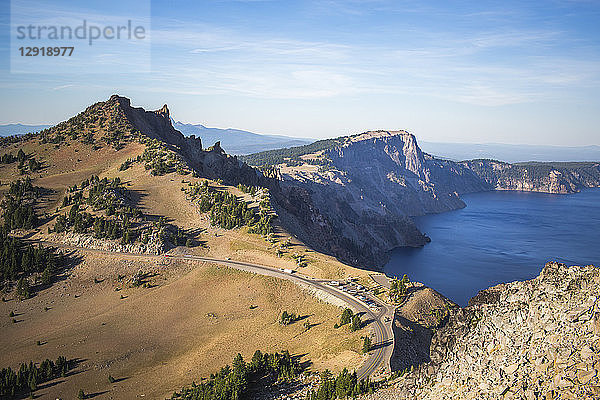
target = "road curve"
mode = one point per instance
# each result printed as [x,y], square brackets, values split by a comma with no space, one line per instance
[379,358]
[383,345]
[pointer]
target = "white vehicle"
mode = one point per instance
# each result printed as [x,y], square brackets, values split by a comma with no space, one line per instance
[334,283]
[288,271]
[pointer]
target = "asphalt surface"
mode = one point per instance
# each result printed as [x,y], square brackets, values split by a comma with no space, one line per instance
[379,358]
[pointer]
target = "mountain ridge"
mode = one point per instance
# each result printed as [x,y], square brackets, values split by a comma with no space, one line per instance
[351,197]
[359,192]
[237,141]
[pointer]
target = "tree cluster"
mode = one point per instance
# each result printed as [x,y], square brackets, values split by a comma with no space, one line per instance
[7,158]
[124,166]
[103,228]
[356,323]
[233,383]
[252,190]
[122,222]
[367,345]
[19,260]
[18,205]
[291,155]
[227,211]
[348,317]
[264,224]
[103,194]
[29,376]
[398,289]
[345,385]
[160,160]
[288,318]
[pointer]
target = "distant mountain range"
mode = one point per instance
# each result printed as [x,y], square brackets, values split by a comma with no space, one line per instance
[235,141]
[240,142]
[20,129]
[511,152]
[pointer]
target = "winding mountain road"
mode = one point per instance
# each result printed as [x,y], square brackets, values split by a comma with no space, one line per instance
[379,358]
[383,346]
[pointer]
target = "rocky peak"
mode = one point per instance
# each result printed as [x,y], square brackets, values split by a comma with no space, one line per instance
[164,111]
[124,101]
[379,134]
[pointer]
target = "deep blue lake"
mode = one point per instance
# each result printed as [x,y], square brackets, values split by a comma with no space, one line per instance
[501,237]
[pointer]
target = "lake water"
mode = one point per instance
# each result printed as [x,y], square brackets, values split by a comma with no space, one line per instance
[501,237]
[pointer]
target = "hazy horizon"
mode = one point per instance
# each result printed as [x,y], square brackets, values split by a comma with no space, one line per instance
[4,124]
[514,72]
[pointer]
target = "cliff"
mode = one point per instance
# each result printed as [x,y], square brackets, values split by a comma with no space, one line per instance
[527,340]
[353,197]
[557,177]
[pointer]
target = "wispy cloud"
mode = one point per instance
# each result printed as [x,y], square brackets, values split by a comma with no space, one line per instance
[456,67]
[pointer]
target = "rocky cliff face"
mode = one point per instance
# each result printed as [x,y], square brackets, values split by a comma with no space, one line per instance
[523,340]
[360,191]
[212,163]
[536,177]
[355,199]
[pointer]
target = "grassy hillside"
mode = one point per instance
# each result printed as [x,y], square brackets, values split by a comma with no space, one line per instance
[98,310]
[192,320]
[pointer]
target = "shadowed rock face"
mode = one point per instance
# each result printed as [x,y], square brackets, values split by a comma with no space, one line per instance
[375,182]
[154,124]
[212,163]
[560,178]
[531,339]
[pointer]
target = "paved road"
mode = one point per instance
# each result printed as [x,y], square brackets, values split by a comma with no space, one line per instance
[379,358]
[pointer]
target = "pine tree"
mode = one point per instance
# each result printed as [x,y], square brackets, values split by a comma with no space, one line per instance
[23,290]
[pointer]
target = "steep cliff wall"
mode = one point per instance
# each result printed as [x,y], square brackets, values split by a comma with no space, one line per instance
[560,178]
[523,340]
[360,192]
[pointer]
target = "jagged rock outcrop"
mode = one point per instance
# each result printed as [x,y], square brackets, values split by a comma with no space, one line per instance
[212,163]
[415,320]
[537,339]
[116,122]
[154,124]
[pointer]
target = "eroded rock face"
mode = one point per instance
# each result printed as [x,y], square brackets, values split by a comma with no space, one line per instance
[361,203]
[212,163]
[561,178]
[523,340]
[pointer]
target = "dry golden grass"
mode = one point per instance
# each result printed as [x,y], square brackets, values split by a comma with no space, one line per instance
[193,322]
[165,337]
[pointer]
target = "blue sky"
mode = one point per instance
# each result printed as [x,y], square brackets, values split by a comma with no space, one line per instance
[504,72]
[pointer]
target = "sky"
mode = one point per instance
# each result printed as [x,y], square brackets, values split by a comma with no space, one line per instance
[519,72]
